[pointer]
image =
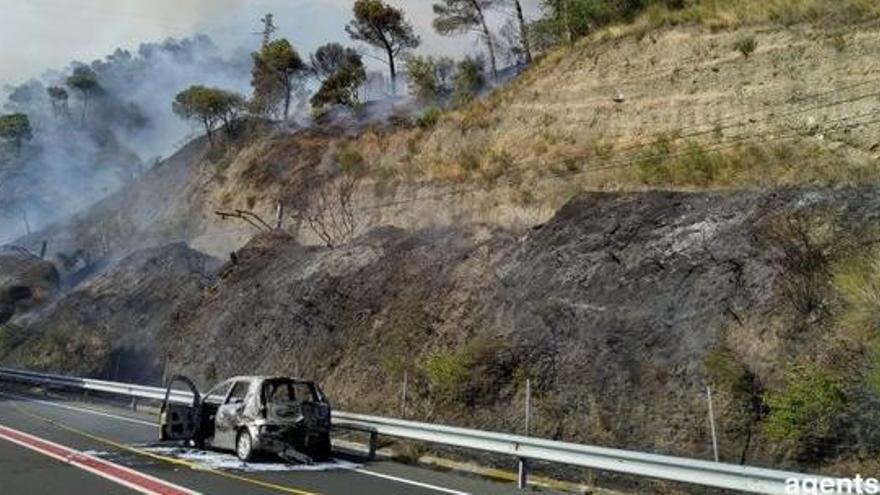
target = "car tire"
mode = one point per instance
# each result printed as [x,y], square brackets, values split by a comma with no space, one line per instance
[244,446]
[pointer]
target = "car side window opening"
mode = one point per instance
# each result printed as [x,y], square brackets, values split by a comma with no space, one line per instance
[289,391]
[217,394]
[239,391]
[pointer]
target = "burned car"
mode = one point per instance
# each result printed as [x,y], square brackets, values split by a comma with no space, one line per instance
[251,415]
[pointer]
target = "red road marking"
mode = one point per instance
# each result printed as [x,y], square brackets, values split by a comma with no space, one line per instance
[113,472]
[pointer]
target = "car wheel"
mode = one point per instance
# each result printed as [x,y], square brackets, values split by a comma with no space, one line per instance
[244,446]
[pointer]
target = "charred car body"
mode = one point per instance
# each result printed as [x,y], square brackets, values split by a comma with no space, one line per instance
[250,415]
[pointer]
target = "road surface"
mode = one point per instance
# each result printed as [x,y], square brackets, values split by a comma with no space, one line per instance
[50,446]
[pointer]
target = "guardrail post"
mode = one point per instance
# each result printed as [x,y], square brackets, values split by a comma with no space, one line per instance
[134,404]
[403,396]
[374,441]
[522,476]
[712,423]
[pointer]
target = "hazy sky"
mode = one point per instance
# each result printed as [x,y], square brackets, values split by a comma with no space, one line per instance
[48,34]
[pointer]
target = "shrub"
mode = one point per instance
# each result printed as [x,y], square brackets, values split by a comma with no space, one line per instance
[857,282]
[744,405]
[350,161]
[469,160]
[746,46]
[469,79]
[807,243]
[421,74]
[807,408]
[873,374]
[429,118]
[447,372]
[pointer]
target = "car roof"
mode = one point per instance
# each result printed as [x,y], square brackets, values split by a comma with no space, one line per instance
[266,377]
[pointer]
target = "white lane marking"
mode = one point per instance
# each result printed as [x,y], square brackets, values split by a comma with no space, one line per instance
[81,409]
[116,473]
[138,421]
[410,482]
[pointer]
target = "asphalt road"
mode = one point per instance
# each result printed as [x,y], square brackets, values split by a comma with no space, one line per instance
[127,439]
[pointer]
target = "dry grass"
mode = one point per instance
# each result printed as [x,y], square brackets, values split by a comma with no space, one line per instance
[726,14]
[557,119]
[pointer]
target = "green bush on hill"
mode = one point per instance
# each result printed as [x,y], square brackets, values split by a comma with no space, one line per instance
[856,280]
[807,408]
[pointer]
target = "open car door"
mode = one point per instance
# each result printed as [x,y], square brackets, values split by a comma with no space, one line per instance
[179,421]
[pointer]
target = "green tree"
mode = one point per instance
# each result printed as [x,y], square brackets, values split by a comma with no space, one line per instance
[468,80]
[568,20]
[462,16]
[421,73]
[277,68]
[58,96]
[327,59]
[85,81]
[16,128]
[341,87]
[209,107]
[384,27]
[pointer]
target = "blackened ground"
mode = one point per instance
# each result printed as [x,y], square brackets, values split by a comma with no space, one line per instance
[611,309]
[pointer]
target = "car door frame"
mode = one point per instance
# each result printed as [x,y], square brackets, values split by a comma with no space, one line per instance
[185,418]
[229,416]
[208,404]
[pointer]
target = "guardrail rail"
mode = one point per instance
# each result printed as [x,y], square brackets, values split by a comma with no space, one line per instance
[699,472]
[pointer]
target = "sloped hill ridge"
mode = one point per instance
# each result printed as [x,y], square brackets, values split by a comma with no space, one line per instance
[611,308]
[25,281]
[477,260]
[107,326]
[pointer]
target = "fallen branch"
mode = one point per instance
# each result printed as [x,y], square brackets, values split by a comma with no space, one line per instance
[248,216]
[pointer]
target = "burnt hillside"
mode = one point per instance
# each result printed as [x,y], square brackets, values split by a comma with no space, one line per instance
[621,309]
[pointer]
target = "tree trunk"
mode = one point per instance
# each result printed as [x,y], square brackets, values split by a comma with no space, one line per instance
[523,32]
[82,121]
[208,131]
[569,30]
[489,43]
[288,88]
[393,69]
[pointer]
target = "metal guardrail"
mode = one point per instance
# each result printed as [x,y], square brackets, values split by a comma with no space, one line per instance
[88,384]
[699,472]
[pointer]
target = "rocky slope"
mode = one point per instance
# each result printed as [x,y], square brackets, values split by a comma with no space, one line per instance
[26,281]
[467,255]
[697,114]
[108,325]
[612,308]
[621,310]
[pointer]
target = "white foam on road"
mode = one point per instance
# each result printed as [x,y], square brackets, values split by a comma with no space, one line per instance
[220,460]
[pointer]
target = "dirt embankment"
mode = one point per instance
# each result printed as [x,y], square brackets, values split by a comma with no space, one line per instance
[26,281]
[697,114]
[460,269]
[621,310]
[107,326]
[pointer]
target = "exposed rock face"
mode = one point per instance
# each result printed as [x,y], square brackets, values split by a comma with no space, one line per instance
[25,281]
[611,308]
[107,326]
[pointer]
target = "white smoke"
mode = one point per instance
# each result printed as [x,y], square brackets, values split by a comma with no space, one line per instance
[129,125]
